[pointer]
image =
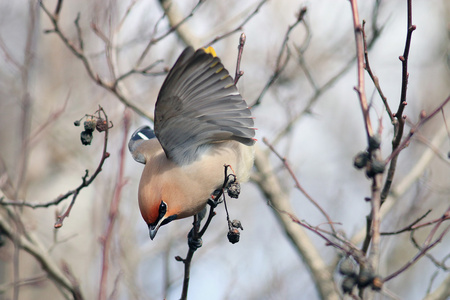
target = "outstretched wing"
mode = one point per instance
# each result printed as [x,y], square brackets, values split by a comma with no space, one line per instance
[199,104]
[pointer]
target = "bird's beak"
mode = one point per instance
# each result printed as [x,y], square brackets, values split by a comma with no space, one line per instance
[153,229]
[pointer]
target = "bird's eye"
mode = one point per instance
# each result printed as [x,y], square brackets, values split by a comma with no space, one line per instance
[162,209]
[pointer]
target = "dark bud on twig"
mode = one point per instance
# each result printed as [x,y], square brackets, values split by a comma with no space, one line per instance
[233,235]
[178,258]
[301,13]
[86,137]
[374,142]
[234,189]
[89,125]
[237,224]
[101,125]
[76,123]
[361,159]
[347,267]
[348,284]
[366,276]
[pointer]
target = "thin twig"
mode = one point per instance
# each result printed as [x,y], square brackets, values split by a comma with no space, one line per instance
[298,185]
[240,26]
[113,210]
[427,245]
[278,198]
[79,53]
[399,122]
[374,219]
[360,88]
[374,78]
[280,66]
[144,71]
[239,73]
[319,91]
[74,193]
[438,264]
[167,5]
[424,118]
[30,244]
[409,227]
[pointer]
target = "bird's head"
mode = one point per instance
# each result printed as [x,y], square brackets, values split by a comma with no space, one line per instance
[158,214]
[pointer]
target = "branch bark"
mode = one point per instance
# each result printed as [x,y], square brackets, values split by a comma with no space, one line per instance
[442,292]
[31,244]
[279,199]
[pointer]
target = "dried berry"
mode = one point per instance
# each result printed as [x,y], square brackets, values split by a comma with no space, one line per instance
[361,159]
[89,125]
[378,166]
[375,167]
[86,137]
[366,276]
[348,284]
[374,142]
[101,125]
[347,267]
[234,189]
[236,224]
[76,123]
[233,235]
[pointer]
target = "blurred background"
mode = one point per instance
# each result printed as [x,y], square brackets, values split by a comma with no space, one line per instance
[311,114]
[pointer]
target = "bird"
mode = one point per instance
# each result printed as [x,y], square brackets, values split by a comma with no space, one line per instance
[201,124]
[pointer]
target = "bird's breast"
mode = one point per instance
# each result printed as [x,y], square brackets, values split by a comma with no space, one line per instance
[187,188]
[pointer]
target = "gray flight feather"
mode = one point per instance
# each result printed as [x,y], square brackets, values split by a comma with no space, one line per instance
[198,104]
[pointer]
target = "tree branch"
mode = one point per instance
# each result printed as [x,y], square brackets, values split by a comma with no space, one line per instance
[277,197]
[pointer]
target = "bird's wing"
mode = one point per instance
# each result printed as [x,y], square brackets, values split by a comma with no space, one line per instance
[142,134]
[199,104]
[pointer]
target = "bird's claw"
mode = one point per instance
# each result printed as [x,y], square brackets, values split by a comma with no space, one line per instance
[194,242]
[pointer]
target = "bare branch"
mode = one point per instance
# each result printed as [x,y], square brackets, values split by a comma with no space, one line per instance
[399,122]
[239,73]
[374,78]
[427,245]
[240,26]
[280,66]
[113,210]
[360,89]
[30,244]
[277,197]
[79,53]
[298,186]
[74,193]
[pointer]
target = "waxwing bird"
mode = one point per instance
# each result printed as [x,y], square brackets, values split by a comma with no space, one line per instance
[201,123]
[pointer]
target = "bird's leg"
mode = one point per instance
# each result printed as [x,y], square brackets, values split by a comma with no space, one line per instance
[194,239]
[230,184]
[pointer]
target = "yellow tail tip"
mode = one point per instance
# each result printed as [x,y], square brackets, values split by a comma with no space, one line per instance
[210,50]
